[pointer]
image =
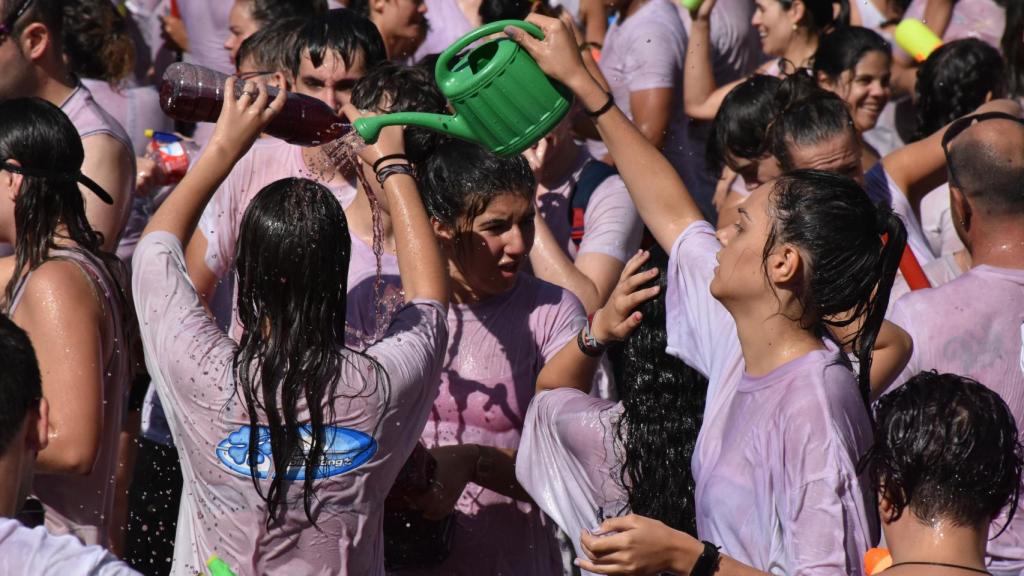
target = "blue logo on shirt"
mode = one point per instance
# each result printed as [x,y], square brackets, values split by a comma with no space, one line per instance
[344,450]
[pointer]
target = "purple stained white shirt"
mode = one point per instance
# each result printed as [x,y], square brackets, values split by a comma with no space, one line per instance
[373,431]
[982,19]
[775,461]
[36,552]
[942,270]
[567,460]
[497,349]
[136,109]
[447,24]
[973,326]
[611,224]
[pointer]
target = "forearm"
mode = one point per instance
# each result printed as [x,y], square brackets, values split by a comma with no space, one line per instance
[420,265]
[570,368]
[661,198]
[551,263]
[893,349]
[496,470]
[687,549]
[700,78]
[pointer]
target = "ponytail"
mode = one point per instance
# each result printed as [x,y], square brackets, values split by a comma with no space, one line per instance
[894,234]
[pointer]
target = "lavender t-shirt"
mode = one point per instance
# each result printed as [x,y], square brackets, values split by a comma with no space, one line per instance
[375,427]
[645,52]
[567,460]
[974,326]
[447,24]
[775,461]
[497,349]
[37,552]
[611,223]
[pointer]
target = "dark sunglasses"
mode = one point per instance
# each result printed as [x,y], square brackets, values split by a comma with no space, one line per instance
[7,28]
[957,128]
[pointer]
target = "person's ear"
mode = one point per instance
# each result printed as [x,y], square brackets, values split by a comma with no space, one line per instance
[442,231]
[35,41]
[824,80]
[961,209]
[38,437]
[784,264]
[796,13]
[280,79]
[377,5]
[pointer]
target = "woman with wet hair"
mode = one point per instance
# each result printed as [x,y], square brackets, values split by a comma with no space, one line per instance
[289,440]
[946,463]
[754,308]
[68,295]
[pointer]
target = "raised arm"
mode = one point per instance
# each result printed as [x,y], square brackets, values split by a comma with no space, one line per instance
[661,198]
[701,96]
[920,167]
[239,124]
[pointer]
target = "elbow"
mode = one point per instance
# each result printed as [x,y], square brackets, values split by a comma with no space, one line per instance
[73,460]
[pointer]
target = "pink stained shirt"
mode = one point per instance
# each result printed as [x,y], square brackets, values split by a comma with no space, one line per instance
[136,109]
[612,225]
[974,326]
[373,432]
[775,461]
[567,460]
[497,349]
[83,505]
[982,19]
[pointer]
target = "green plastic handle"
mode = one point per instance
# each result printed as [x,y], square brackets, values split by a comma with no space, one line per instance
[441,69]
[218,567]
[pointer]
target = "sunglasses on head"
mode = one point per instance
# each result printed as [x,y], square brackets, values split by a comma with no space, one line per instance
[957,128]
[7,27]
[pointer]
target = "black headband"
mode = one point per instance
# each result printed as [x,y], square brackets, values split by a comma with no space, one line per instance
[76,177]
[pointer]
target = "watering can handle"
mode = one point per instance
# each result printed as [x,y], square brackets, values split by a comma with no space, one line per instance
[486,30]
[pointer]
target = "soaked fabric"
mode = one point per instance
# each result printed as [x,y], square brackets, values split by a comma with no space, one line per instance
[611,223]
[375,427]
[82,505]
[567,460]
[973,326]
[497,349]
[775,461]
[35,551]
[136,109]
[937,222]
[447,24]
[372,302]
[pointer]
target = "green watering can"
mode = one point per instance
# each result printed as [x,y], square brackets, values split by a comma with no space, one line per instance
[501,98]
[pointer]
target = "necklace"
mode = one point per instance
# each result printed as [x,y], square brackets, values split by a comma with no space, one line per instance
[943,564]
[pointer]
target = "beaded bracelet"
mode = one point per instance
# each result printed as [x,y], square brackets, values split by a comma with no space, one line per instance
[587,343]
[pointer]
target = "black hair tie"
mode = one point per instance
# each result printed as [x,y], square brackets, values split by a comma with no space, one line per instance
[76,177]
[607,106]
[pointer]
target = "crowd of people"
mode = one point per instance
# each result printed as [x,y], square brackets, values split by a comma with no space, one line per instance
[754,306]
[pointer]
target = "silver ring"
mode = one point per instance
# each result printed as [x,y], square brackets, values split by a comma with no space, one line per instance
[250,94]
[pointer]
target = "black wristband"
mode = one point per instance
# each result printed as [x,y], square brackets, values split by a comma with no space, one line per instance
[383,159]
[392,169]
[607,106]
[707,562]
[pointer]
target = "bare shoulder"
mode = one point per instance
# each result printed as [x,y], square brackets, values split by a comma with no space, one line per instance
[60,289]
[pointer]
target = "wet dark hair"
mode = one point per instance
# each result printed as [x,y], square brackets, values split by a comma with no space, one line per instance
[96,41]
[343,32]
[808,115]
[48,12]
[841,49]
[1013,48]
[946,447]
[494,10]
[404,89]
[41,138]
[662,411]
[849,271]
[820,14]
[269,47]
[740,127]
[954,81]
[266,12]
[460,179]
[21,386]
[291,264]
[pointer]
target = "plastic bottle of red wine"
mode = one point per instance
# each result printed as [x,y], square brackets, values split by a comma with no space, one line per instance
[193,93]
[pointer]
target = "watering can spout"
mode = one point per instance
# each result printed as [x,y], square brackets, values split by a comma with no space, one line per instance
[369,127]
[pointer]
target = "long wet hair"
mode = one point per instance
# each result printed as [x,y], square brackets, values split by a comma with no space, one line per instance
[662,411]
[291,264]
[740,128]
[849,268]
[42,139]
[954,81]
